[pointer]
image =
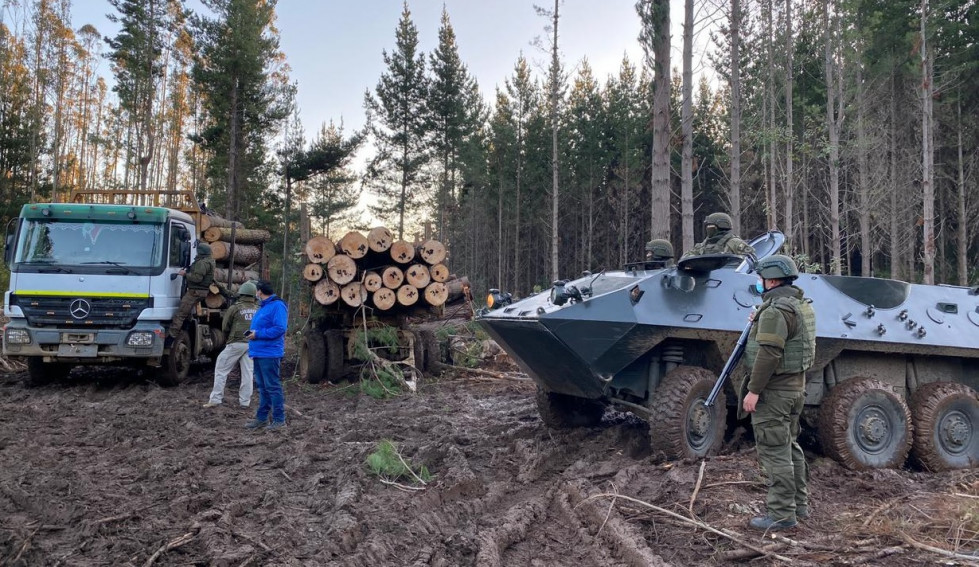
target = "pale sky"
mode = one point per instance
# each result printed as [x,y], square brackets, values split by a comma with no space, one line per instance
[334,46]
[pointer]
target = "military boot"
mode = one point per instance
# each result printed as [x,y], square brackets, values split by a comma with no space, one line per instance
[767,523]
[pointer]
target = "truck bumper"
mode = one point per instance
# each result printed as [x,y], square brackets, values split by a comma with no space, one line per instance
[81,346]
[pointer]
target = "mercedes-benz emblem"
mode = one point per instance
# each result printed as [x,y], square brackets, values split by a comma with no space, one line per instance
[80,308]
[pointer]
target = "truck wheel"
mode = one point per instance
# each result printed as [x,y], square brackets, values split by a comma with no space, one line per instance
[312,357]
[176,364]
[946,426]
[682,426]
[334,355]
[40,373]
[433,352]
[561,411]
[865,424]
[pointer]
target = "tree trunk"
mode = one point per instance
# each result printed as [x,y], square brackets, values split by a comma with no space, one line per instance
[660,173]
[354,244]
[962,235]
[432,251]
[686,160]
[245,254]
[208,221]
[555,102]
[895,247]
[238,276]
[407,295]
[769,118]
[789,229]
[393,277]
[457,289]
[342,269]
[320,249]
[734,193]
[863,177]
[379,239]
[927,151]
[833,127]
[402,252]
[418,275]
[242,235]
[326,292]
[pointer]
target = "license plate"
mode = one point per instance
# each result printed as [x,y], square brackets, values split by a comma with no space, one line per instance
[80,351]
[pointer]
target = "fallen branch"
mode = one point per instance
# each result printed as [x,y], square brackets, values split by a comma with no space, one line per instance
[441,367]
[696,488]
[24,546]
[741,554]
[944,552]
[881,553]
[400,486]
[685,520]
[173,544]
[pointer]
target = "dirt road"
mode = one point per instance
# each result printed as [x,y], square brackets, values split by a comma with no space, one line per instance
[108,470]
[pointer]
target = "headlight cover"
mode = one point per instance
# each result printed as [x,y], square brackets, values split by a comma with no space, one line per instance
[140,339]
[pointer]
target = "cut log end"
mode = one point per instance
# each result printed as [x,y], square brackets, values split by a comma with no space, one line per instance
[392,277]
[342,269]
[354,244]
[320,249]
[353,294]
[384,298]
[373,281]
[432,251]
[418,275]
[379,239]
[408,295]
[402,252]
[326,292]
[313,272]
[440,273]
[436,294]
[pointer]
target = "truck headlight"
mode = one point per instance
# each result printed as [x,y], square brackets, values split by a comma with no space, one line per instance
[140,339]
[496,299]
[18,337]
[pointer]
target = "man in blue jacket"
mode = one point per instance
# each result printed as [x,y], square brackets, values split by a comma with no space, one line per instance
[266,347]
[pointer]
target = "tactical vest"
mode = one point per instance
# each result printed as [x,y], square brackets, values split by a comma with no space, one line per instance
[800,349]
[719,247]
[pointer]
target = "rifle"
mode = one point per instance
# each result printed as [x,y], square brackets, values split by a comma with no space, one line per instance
[732,361]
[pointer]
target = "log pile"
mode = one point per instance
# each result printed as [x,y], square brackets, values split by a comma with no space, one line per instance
[245,266]
[374,269]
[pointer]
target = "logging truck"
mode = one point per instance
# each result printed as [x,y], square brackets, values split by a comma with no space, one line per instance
[94,282]
[363,283]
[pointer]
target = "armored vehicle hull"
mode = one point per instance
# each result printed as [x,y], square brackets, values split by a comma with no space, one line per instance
[896,371]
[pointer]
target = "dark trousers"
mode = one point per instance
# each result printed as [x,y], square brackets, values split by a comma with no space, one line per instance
[270,396]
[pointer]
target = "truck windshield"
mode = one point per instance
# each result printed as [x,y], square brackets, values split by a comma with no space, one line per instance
[84,243]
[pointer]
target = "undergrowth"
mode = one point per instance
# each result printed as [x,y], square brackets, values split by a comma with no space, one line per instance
[388,464]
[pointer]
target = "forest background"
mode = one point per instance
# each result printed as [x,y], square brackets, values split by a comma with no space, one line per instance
[850,125]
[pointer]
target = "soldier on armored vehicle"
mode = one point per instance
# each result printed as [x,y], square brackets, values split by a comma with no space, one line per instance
[659,253]
[718,239]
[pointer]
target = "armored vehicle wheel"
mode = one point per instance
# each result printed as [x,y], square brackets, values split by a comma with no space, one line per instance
[946,426]
[176,364]
[40,373]
[561,411]
[865,424]
[682,426]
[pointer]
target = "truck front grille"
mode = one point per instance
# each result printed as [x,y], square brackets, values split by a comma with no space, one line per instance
[81,312]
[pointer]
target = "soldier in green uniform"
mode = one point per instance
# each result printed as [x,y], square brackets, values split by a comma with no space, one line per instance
[781,347]
[659,253]
[198,279]
[237,320]
[718,239]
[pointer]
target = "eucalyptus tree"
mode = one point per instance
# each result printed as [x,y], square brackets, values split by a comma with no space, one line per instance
[397,121]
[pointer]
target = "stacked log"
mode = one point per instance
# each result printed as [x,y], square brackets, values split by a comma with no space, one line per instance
[378,271]
[248,251]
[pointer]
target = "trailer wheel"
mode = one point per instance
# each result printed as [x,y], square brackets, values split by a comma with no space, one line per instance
[334,355]
[312,357]
[433,352]
[176,364]
[946,426]
[681,425]
[865,424]
[40,373]
[561,411]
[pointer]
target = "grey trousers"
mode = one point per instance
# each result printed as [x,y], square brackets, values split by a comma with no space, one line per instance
[234,353]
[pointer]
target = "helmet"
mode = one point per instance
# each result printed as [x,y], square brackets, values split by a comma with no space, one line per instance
[247,288]
[660,248]
[777,267]
[721,220]
[203,249]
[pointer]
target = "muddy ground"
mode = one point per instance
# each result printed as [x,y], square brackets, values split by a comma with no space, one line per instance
[110,469]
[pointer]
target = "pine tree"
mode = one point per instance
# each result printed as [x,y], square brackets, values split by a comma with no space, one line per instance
[397,119]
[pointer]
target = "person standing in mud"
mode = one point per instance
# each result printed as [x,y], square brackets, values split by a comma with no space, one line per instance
[236,322]
[266,347]
[781,347]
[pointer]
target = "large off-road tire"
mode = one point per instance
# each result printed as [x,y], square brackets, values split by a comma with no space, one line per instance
[864,423]
[321,356]
[946,426]
[681,426]
[431,349]
[561,411]
[176,363]
[40,373]
[312,357]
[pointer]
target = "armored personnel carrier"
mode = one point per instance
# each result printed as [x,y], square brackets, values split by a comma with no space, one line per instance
[896,370]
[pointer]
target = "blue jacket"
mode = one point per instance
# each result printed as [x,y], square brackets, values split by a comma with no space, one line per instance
[269,324]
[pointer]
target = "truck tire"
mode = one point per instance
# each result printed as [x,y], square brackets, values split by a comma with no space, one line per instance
[561,411]
[433,352]
[946,426]
[312,357]
[176,364]
[865,424]
[334,355]
[40,373]
[681,425]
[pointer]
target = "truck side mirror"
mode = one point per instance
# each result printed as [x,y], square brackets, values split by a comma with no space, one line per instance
[8,248]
